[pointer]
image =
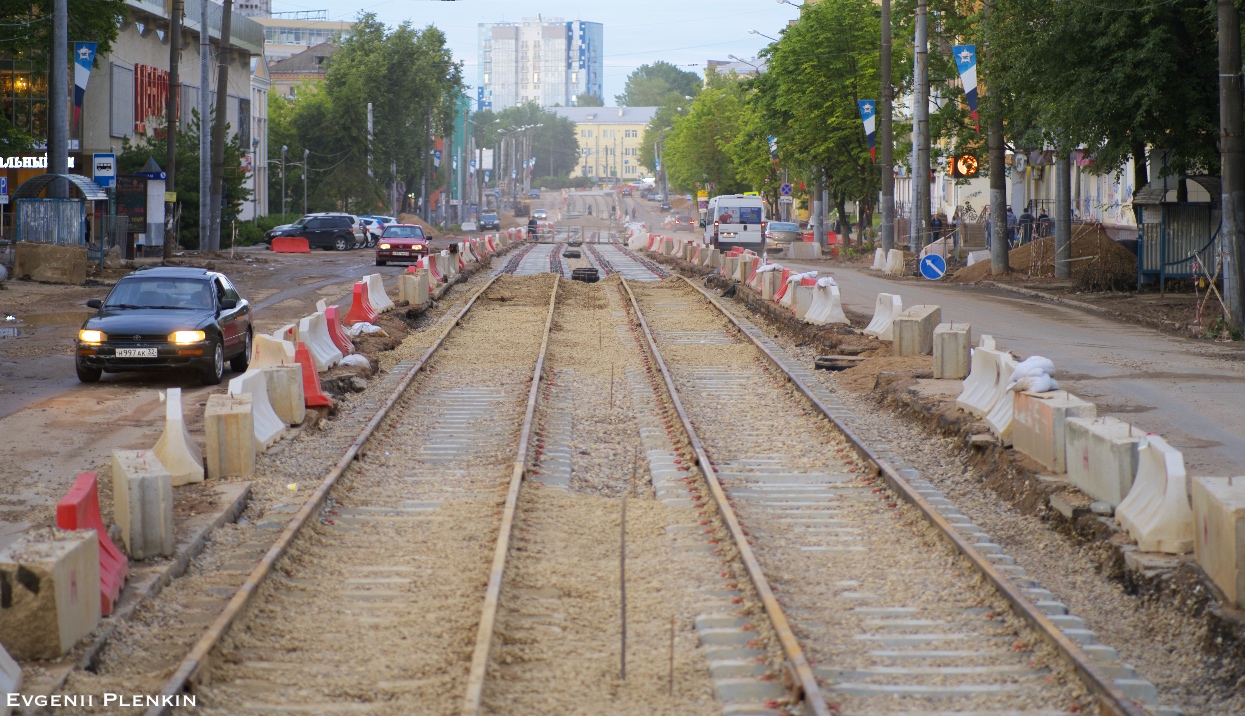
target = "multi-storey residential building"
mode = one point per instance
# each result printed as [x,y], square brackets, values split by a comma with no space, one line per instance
[609,140]
[549,62]
[288,33]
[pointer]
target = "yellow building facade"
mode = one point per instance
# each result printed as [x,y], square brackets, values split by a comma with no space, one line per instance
[609,140]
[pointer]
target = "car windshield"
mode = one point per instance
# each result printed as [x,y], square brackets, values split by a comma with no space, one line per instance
[153,292]
[489,217]
[299,223]
[403,232]
[783,226]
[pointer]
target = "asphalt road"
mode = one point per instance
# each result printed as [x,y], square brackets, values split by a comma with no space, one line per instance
[1191,392]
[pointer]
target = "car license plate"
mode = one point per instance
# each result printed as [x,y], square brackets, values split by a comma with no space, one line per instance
[136,352]
[401,253]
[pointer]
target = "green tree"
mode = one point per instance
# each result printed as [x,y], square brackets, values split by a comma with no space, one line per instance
[554,144]
[135,154]
[656,84]
[696,148]
[26,33]
[588,100]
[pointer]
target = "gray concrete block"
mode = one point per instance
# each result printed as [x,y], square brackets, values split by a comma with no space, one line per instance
[51,580]
[142,503]
[914,330]
[952,342]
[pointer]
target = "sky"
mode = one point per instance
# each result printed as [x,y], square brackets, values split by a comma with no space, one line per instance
[637,32]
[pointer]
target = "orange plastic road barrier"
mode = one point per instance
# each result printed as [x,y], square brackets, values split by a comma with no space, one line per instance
[313,395]
[79,510]
[808,282]
[337,332]
[361,310]
[782,285]
[290,245]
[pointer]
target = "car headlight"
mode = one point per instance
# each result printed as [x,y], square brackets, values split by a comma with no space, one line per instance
[92,337]
[384,246]
[185,338]
[418,247]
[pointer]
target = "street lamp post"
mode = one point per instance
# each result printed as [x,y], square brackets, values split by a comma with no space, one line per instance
[284,149]
[306,153]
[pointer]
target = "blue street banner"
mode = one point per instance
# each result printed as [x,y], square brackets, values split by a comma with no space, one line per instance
[487,175]
[868,116]
[436,158]
[455,162]
[966,63]
[773,148]
[83,60]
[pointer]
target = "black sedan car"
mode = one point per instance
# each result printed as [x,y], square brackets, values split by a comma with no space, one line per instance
[490,221]
[163,318]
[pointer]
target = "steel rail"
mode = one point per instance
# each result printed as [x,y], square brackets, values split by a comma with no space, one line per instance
[802,683]
[492,595]
[195,661]
[1109,696]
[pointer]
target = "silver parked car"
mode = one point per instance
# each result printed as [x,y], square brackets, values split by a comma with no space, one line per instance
[778,234]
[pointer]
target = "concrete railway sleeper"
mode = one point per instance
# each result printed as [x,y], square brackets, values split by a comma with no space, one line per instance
[366,591]
[881,603]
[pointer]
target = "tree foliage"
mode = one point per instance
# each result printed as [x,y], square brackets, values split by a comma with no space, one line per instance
[588,99]
[657,84]
[696,148]
[411,80]
[554,144]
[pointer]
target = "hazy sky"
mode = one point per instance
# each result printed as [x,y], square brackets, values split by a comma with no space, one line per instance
[636,31]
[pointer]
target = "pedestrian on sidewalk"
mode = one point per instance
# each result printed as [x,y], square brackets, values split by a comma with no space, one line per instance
[1012,222]
[935,228]
[1026,225]
[1045,224]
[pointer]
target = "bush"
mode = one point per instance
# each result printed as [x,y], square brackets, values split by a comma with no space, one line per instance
[252,232]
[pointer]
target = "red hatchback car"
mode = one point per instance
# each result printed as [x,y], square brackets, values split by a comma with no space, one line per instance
[403,243]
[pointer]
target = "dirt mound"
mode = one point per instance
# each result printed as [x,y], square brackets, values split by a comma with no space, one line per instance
[1096,259]
[413,219]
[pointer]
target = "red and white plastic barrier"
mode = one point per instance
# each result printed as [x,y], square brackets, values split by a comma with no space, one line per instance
[376,294]
[79,510]
[313,330]
[361,310]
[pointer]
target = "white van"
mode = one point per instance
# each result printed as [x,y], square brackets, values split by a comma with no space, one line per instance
[735,220]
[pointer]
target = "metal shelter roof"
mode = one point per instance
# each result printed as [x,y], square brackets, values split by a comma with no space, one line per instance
[31,188]
[1163,191]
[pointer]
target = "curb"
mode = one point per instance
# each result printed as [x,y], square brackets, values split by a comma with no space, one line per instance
[1030,293]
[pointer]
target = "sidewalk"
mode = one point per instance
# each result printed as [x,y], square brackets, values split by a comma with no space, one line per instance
[1191,392]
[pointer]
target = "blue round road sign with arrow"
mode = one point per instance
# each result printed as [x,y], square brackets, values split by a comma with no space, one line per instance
[933,267]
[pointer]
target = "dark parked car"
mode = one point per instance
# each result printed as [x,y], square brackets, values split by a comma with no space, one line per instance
[163,318]
[490,221]
[665,206]
[682,222]
[533,194]
[401,242]
[325,231]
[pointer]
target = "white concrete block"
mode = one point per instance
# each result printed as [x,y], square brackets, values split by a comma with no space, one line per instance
[266,351]
[804,250]
[987,341]
[322,306]
[770,280]
[406,288]
[1039,425]
[314,331]
[887,307]
[975,256]
[730,266]
[1156,512]
[1219,534]
[1102,457]
[715,258]
[230,433]
[879,259]
[895,262]
[51,581]
[423,280]
[951,350]
[803,301]
[745,267]
[826,307]
[913,330]
[142,503]
[176,449]
[986,381]
[376,293]
[10,679]
[267,426]
[285,392]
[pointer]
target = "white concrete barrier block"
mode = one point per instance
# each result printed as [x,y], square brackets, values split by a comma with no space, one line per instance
[986,382]
[52,592]
[287,333]
[376,293]
[314,331]
[803,300]
[285,392]
[10,679]
[230,433]
[770,281]
[322,306]
[1001,413]
[142,503]
[730,266]
[176,449]
[266,351]
[879,259]
[406,288]
[913,330]
[804,250]
[1102,457]
[987,342]
[423,279]
[888,306]
[746,265]
[715,258]
[826,307]
[1219,533]
[895,262]
[1039,425]
[975,256]
[1156,512]
[267,426]
[952,343]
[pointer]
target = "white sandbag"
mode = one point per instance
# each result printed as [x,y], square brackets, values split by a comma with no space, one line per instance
[1033,365]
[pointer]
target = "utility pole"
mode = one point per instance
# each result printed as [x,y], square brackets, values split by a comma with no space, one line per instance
[369,139]
[218,127]
[306,169]
[887,138]
[171,124]
[205,139]
[818,231]
[58,96]
[920,128]
[998,177]
[1063,216]
[427,178]
[1232,159]
[284,149]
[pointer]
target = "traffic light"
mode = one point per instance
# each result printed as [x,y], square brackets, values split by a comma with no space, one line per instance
[962,166]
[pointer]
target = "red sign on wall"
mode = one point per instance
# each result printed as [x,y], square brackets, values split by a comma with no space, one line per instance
[151,89]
